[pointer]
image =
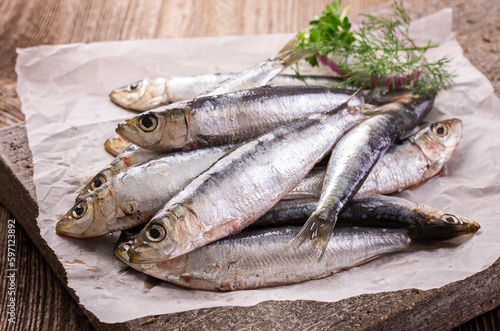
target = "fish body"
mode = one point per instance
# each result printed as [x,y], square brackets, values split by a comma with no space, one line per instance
[229,118]
[355,155]
[375,210]
[133,196]
[263,258]
[258,258]
[150,93]
[241,186]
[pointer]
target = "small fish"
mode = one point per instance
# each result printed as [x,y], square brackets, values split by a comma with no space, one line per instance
[229,118]
[263,258]
[407,163]
[375,210]
[150,93]
[241,186]
[116,145]
[133,196]
[355,155]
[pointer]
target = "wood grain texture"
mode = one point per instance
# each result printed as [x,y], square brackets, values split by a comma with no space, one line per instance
[33,22]
[42,303]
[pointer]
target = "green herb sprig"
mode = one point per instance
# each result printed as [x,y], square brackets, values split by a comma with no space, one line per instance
[380,53]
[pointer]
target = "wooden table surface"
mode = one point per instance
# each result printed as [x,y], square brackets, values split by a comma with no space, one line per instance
[42,301]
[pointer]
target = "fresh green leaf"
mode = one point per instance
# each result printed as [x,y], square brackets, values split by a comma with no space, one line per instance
[380,53]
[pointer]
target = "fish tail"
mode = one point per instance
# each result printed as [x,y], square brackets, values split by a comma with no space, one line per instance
[289,54]
[318,229]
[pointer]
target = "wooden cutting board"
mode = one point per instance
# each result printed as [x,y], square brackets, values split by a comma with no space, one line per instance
[34,22]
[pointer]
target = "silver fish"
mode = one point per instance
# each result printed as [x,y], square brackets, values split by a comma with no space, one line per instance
[150,93]
[133,196]
[375,210]
[355,155]
[228,118]
[407,163]
[241,186]
[262,258]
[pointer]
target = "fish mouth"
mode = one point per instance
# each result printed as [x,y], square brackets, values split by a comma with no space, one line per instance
[456,126]
[142,253]
[126,129]
[119,97]
[70,228]
[121,252]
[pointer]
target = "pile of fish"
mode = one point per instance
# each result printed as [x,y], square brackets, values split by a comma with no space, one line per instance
[223,182]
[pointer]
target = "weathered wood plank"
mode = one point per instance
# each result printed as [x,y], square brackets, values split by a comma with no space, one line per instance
[42,303]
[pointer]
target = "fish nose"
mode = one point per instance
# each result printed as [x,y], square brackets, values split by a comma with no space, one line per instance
[66,228]
[121,128]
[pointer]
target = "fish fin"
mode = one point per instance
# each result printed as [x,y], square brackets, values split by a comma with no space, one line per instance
[319,230]
[289,54]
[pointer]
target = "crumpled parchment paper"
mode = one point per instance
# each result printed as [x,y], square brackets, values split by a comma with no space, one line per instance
[64,92]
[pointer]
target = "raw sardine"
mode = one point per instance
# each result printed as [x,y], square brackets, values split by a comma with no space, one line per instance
[131,155]
[229,118]
[262,73]
[263,258]
[374,210]
[150,93]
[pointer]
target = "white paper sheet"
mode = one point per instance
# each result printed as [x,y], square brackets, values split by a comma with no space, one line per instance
[64,92]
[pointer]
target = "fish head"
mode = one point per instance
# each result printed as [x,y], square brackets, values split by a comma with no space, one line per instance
[445,226]
[155,130]
[159,270]
[126,241]
[141,95]
[169,234]
[438,141]
[90,216]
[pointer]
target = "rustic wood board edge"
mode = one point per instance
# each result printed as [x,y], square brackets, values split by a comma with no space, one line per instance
[441,308]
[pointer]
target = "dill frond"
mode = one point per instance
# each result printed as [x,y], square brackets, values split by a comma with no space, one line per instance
[380,54]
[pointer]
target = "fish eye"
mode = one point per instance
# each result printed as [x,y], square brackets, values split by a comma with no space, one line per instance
[451,219]
[134,86]
[156,233]
[97,182]
[439,129]
[79,210]
[148,122]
